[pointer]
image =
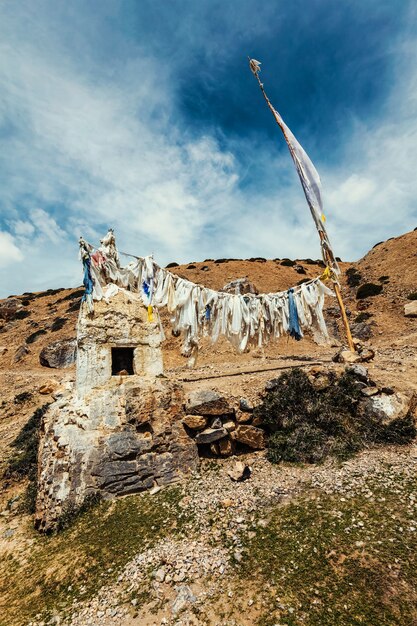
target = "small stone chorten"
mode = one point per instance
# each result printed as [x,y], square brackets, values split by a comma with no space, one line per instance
[117,340]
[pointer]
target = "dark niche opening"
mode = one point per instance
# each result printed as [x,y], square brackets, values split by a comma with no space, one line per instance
[121,361]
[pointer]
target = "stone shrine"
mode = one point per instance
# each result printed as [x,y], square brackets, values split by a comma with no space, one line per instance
[118,429]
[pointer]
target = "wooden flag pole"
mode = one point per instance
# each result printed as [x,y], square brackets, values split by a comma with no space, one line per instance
[344,317]
[255,70]
[340,302]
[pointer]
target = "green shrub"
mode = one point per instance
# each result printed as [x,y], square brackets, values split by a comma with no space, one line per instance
[22,397]
[353,277]
[58,323]
[368,290]
[34,336]
[412,295]
[307,424]
[287,263]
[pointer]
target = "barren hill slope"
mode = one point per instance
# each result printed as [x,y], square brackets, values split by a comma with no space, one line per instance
[30,322]
[208,506]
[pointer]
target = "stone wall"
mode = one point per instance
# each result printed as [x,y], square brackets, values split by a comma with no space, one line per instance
[127,438]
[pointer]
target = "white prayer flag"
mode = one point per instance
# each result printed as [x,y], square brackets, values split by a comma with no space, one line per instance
[309,176]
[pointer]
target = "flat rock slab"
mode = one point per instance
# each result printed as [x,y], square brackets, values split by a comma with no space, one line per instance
[410,309]
[206,402]
[211,434]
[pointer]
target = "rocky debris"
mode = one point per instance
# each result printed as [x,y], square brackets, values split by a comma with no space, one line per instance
[59,354]
[216,423]
[9,307]
[245,405]
[250,435]
[206,402]
[347,356]
[49,387]
[362,355]
[196,422]
[359,371]
[367,355]
[410,309]
[169,570]
[369,391]
[240,471]
[20,353]
[240,286]
[211,434]
[226,447]
[184,597]
[227,428]
[219,507]
[242,417]
[389,407]
[361,330]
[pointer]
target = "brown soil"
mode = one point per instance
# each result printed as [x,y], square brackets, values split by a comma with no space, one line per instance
[394,336]
[394,341]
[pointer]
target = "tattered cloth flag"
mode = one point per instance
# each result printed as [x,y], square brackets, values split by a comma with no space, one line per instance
[309,177]
[294,323]
[85,255]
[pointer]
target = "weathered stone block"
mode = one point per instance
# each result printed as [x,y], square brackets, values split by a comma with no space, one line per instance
[211,434]
[388,407]
[250,435]
[207,402]
[226,447]
[196,422]
[410,309]
[127,444]
[59,354]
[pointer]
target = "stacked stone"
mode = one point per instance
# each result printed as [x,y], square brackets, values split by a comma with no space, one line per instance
[219,428]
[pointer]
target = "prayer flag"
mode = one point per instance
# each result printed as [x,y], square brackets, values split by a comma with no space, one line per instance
[309,177]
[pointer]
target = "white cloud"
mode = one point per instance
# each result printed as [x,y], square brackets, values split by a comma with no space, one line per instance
[45,226]
[9,252]
[22,228]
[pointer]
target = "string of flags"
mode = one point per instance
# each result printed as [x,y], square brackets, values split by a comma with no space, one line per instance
[197,311]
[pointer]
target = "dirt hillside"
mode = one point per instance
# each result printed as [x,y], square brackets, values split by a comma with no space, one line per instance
[35,320]
[213,550]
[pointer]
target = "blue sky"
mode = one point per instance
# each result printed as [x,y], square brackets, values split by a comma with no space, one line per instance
[143,115]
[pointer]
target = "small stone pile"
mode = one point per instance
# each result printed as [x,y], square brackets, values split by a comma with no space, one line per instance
[220,429]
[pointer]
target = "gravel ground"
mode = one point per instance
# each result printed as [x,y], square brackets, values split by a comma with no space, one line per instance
[172,581]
